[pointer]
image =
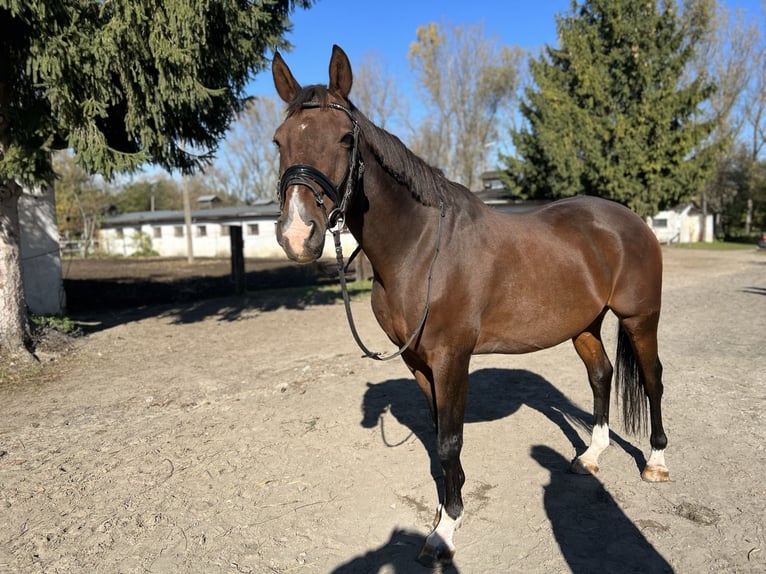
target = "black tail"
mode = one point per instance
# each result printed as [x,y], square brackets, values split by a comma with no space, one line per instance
[628,386]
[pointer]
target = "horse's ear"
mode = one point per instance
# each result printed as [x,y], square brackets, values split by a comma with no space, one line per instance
[284,82]
[340,73]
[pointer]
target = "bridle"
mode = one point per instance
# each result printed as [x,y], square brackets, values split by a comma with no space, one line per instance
[311,177]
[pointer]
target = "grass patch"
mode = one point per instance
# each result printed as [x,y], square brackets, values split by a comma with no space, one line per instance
[61,324]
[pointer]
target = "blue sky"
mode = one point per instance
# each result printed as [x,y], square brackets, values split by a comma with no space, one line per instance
[387,28]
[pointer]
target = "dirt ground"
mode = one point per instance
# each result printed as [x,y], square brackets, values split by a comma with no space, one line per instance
[245,434]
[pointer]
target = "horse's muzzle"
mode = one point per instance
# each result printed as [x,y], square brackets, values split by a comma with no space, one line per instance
[301,236]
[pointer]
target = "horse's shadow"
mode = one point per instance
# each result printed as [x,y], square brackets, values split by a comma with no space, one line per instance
[570,501]
[593,533]
[493,394]
[397,556]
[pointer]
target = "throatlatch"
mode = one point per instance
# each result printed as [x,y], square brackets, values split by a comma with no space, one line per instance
[320,185]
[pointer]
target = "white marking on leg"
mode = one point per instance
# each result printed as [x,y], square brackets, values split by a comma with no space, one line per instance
[657,458]
[655,469]
[441,537]
[599,441]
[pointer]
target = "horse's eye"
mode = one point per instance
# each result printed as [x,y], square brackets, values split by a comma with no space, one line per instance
[276,143]
[347,140]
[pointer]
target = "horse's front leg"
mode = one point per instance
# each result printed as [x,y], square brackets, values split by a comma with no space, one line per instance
[448,386]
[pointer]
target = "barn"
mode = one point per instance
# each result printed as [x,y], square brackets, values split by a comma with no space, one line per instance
[165,232]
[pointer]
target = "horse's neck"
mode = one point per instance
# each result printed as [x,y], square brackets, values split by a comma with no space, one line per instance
[391,224]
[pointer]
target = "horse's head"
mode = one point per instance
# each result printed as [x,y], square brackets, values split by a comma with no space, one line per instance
[318,157]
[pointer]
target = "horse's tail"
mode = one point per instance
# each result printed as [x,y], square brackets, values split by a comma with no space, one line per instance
[628,386]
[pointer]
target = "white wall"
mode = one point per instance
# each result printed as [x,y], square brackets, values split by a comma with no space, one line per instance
[40,255]
[673,227]
[215,242]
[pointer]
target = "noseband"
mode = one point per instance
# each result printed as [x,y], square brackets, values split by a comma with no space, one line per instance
[319,184]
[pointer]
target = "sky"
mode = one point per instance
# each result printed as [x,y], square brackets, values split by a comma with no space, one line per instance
[388,28]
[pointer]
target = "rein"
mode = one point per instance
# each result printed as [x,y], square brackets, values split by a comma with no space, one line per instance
[311,177]
[375,355]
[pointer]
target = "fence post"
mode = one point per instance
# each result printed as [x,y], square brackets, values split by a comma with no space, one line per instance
[237,258]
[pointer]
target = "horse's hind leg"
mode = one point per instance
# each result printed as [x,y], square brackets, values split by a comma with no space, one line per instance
[642,332]
[590,348]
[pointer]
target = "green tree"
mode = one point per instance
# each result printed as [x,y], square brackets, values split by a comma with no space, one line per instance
[740,199]
[147,194]
[121,83]
[613,112]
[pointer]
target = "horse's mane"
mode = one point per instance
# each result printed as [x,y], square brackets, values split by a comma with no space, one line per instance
[427,184]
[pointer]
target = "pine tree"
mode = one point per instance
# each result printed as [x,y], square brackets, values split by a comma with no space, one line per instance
[613,112]
[121,83]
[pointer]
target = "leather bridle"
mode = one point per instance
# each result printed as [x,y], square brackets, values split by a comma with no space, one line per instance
[321,185]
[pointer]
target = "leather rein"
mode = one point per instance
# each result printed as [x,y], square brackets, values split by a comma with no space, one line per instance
[320,185]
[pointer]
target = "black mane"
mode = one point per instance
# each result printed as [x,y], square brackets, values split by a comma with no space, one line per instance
[427,184]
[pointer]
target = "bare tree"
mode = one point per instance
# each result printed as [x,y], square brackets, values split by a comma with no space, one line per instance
[726,55]
[754,111]
[247,165]
[467,80]
[754,101]
[734,54]
[81,200]
[376,94]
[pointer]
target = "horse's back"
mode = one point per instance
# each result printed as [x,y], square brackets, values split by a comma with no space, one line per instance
[551,271]
[613,239]
[586,225]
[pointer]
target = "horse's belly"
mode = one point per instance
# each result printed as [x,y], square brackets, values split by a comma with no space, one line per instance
[514,344]
[528,332]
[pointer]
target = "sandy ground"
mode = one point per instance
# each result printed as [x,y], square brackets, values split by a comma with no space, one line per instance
[246,435]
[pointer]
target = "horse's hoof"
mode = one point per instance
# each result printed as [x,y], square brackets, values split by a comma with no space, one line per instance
[431,556]
[439,547]
[655,474]
[580,466]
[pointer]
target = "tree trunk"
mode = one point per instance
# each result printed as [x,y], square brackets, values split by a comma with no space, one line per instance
[14,328]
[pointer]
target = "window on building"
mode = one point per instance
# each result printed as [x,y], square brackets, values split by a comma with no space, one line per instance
[120,234]
[225,230]
[178,231]
[660,222]
[201,231]
[252,229]
[157,232]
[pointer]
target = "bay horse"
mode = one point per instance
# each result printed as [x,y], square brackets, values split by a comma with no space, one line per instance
[453,277]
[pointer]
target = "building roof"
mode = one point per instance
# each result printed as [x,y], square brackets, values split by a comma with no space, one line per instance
[267,209]
[500,199]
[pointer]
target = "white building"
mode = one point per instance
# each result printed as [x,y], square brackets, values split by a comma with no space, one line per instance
[126,234]
[684,224]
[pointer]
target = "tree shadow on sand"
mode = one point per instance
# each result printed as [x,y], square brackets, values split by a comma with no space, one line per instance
[224,309]
[593,533]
